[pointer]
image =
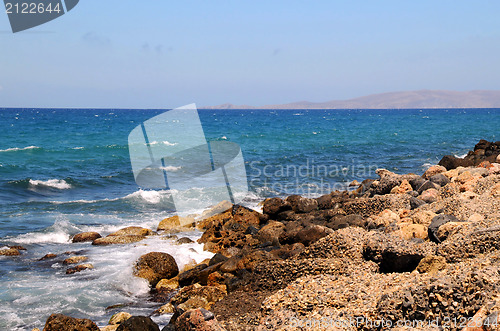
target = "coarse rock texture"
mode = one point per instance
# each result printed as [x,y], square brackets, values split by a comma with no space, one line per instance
[59,322]
[156,266]
[138,323]
[421,249]
[85,236]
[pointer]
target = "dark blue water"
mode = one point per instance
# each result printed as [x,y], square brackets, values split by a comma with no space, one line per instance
[68,170]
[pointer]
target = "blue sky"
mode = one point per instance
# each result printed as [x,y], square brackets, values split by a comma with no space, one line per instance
[164,54]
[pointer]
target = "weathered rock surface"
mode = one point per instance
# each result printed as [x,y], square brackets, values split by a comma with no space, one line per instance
[138,323]
[85,236]
[156,266]
[59,322]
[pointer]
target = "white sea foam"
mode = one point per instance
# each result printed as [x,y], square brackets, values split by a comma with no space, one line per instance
[13,149]
[461,156]
[166,143]
[78,148]
[152,197]
[59,184]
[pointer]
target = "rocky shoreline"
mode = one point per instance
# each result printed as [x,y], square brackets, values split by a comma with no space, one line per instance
[399,252]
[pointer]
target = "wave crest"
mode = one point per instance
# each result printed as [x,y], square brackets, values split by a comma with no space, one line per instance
[14,149]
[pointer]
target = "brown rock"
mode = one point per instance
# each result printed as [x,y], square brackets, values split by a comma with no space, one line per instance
[217,209]
[85,236]
[431,195]
[447,229]
[9,252]
[198,320]
[165,309]
[431,264]
[59,322]
[132,231]
[156,266]
[110,240]
[47,257]
[270,232]
[75,259]
[302,205]
[410,231]
[118,318]
[138,323]
[433,170]
[274,206]
[168,285]
[79,268]
[402,188]
[176,223]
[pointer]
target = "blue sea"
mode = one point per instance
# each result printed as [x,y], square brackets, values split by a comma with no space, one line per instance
[64,171]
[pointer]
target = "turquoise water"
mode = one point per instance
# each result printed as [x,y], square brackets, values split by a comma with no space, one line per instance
[64,171]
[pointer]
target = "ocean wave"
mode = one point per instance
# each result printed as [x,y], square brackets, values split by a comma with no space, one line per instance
[59,184]
[166,143]
[14,149]
[152,197]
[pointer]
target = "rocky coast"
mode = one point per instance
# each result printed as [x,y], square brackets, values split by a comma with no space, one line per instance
[399,252]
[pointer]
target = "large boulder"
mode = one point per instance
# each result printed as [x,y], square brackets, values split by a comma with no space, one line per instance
[110,240]
[60,322]
[85,236]
[132,231]
[138,323]
[156,266]
[176,223]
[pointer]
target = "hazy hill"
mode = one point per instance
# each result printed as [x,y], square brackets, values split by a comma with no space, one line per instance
[396,100]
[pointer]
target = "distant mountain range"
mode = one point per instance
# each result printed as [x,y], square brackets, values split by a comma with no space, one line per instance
[395,100]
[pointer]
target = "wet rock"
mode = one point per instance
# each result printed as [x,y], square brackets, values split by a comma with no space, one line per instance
[167,285]
[9,252]
[111,240]
[191,276]
[138,323]
[431,264]
[85,236]
[60,322]
[184,240]
[119,318]
[75,259]
[132,231]
[217,209]
[217,258]
[176,223]
[79,268]
[197,320]
[438,221]
[156,266]
[165,309]
[47,257]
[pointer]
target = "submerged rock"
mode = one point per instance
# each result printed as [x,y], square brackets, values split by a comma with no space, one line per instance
[9,252]
[79,268]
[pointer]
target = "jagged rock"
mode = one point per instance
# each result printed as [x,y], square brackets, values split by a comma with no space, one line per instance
[119,318]
[138,323]
[60,322]
[274,206]
[156,266]
[270,232]
[432,171]
[438,221]
[176,223]
[168,285]
[85,236]
[302,205]
[197,320]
